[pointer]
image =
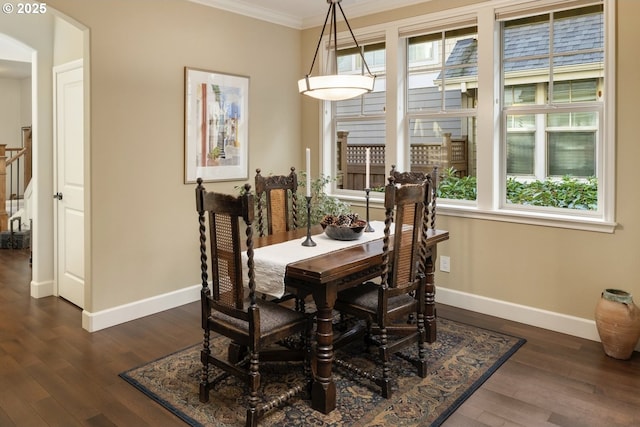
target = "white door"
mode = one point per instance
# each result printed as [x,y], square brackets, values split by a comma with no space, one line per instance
[69,182]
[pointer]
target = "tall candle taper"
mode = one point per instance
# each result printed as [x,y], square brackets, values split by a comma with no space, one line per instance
[368,228]
[367,171]
[367,167]
[308,241]
[308,172]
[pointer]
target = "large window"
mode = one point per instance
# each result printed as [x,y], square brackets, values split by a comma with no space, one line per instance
[441,95]
[360,122]
[512,101]
[553,120]
[521,131]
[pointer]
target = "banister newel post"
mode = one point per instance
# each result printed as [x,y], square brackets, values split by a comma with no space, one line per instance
[4,217]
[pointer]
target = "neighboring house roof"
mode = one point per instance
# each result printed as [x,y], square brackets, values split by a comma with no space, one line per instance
[577,34]
[464,52]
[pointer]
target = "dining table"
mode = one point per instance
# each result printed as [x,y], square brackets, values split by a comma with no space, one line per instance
[283,264]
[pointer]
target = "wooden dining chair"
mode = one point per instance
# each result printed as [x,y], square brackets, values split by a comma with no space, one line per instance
[233,311]
[277,205]
[385,305]
[428,253]
[431,194]
[277,211]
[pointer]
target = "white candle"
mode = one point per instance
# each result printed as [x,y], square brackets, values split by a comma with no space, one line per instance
[367,167]
[308,172]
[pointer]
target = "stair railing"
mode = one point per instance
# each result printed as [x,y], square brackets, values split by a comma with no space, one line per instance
[20,159]
[4,217]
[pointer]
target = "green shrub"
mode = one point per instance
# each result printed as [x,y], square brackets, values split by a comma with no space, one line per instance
[452,186]
[568,192]
[321,203]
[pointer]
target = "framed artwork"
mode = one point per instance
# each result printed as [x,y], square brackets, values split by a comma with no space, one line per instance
[216,126]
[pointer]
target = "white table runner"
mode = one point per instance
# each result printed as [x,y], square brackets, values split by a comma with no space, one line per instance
[270,262]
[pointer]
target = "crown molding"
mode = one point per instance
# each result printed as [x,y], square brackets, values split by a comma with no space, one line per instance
[251,9]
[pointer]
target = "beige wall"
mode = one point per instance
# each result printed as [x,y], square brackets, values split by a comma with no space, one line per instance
[10,111]
[68,42]
[12,98]
[559,270]
[143,240]
[25,102]
[143,224]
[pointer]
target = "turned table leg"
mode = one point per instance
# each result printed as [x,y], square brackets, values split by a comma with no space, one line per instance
[430,298]
[323,389]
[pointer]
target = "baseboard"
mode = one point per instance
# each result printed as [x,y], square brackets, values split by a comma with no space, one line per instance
[96,321]
[558,322]
[571,325]
[575,326]
[41,289]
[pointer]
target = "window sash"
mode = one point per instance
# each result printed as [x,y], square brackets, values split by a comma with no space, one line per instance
[490,203]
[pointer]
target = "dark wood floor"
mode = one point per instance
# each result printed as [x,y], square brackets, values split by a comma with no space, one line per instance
[54,373]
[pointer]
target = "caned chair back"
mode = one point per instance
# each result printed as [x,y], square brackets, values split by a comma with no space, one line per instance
[430,195]
[219,216]
[276,202]
[404,205]
[403,178]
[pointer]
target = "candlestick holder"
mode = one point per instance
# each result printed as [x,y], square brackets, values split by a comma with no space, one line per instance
[368,228]
[308,241]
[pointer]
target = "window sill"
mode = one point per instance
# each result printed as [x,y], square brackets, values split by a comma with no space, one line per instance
[509,215]
[530,218]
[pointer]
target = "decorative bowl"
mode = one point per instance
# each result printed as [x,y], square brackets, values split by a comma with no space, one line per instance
[340,232]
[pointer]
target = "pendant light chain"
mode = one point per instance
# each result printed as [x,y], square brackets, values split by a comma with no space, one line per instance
[336,87]
[354,40]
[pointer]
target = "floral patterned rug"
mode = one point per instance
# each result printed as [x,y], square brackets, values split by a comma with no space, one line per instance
[461,359]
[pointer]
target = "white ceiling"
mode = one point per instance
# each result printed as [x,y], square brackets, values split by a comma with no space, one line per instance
[297,14]
[302,14]
[15,58]
[14,69]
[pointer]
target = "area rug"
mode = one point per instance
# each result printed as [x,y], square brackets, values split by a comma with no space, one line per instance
[461,359]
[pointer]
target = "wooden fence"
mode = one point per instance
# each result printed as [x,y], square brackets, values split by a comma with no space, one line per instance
[451,153]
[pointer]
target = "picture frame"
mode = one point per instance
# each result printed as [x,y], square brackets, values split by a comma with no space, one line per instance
[216,126]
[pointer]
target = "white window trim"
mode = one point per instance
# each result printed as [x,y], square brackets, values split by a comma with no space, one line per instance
[491,170]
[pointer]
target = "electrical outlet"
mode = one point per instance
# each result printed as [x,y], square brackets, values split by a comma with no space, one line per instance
[445,264]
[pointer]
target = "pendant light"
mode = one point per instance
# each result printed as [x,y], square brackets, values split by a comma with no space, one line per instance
[335,87]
